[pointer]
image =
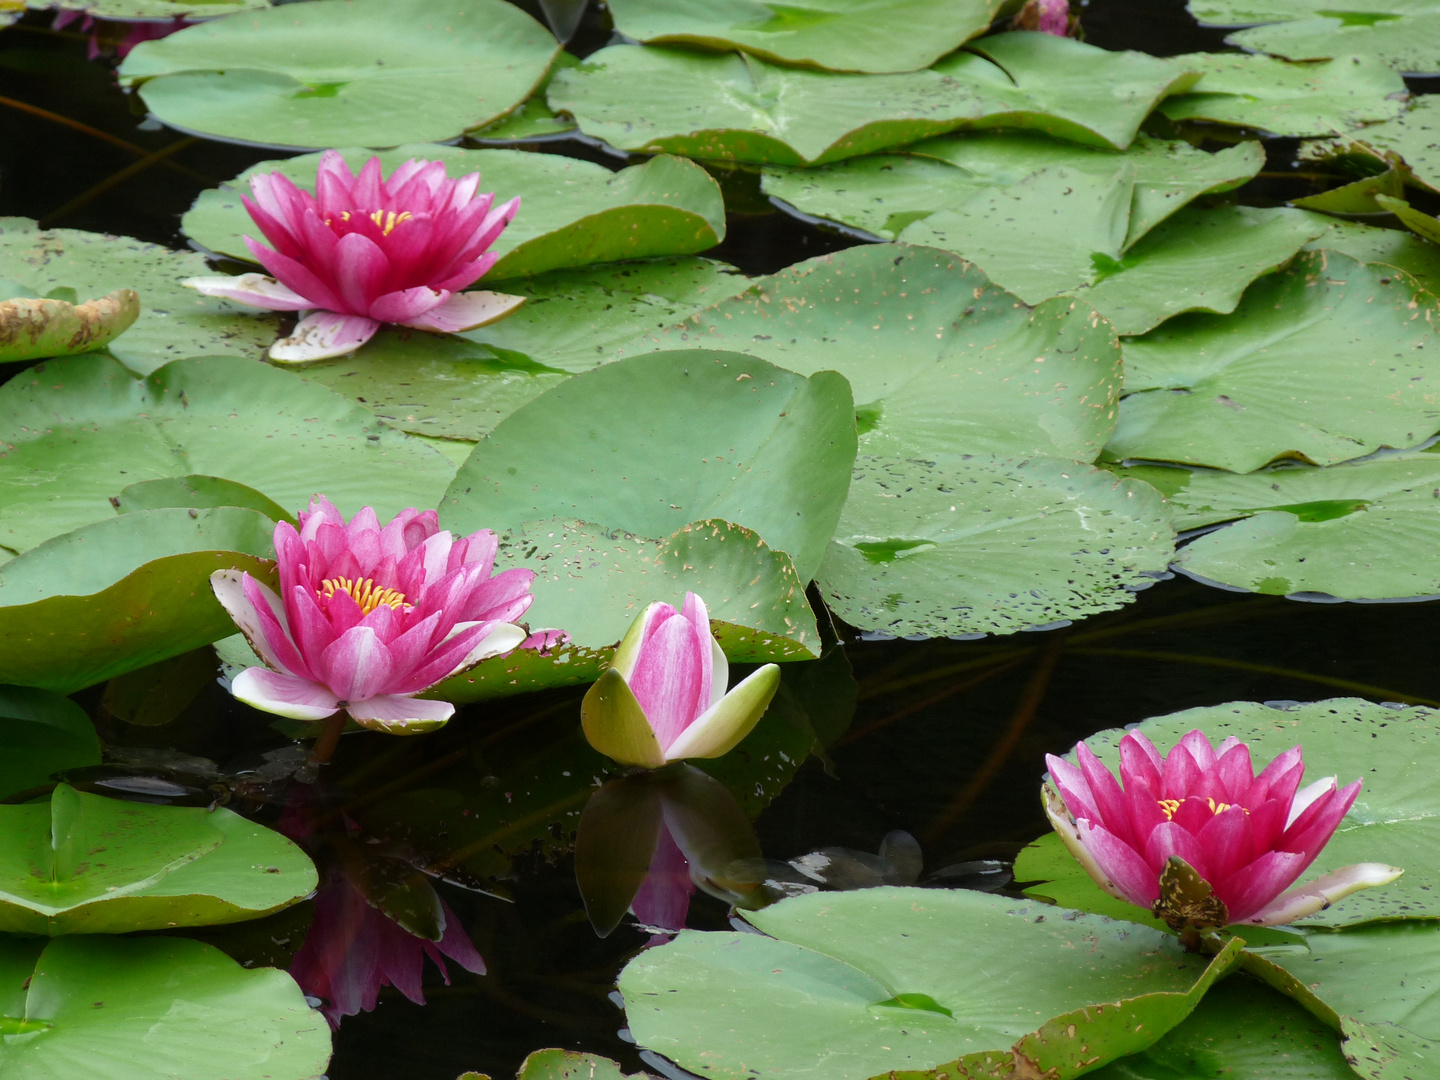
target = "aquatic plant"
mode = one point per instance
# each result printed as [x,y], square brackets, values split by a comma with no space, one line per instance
[663,697]
[1198,838]
[364,250]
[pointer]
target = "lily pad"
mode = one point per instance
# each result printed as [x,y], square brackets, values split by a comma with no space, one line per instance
[883,193]
[1406,40]
[174,321]
[159,1008]
[958,545]
[197,493]
[1272,95]
[1394,819]
[862,983]
[1386,1051]
[1241,1029]
[1196,259]
[938,359]
[594,582]
[1357,197]
[85,864]
[573,213]
[120,594]
[34,328]
[80,429]
[1414,135]
[1404,250]
[150,9]
[651,443]
[345,72]
[1421,224]
[739,107]
[41,733]
[841,35]
[1294,371]
[570,1065]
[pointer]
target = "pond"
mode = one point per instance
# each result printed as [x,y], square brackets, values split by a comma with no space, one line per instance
[1005,389]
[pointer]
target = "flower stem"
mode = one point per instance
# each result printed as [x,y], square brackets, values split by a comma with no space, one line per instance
[330,736]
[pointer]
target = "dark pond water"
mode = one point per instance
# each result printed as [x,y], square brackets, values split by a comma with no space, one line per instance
[947,738]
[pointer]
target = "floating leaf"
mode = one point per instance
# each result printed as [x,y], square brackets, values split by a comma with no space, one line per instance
[571,1065]
[336,73]
[80,429]
[1414,135]
[1292,371]
[1403,41]
[120,594]
[1393,247]
[174,321]
[594,582]
[1419,223]
[957,545]
[198,493]
[150,9]
[85,864]
[1386,1051]
[842,35]
[34,328]
[739,107]
[939,360]
[159,1008]
[1288,99]
[1356,197]
[650,443]
[41,733]
[1394,819]
[884,193]
[573,212]
[838,985]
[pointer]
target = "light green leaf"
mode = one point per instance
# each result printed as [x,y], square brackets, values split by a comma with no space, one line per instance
[160,1008]
[150,9]
[85,864]
[1387,1051]
[1288,99]
[345,72]
[1291,372]
[197,493]
[650,443]
[120,594]
[570,1065]
[174,321]
[842,35]
[572,213]
[1393,247]
[40,734]
[1356,197]
[35,328]
[1405,42]
[860,983]
[81,429]
[1414,135]
[1419,223]
[958,545]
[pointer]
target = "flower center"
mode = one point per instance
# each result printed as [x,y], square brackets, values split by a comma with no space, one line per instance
[1168,807]
[363,592]
[386,220]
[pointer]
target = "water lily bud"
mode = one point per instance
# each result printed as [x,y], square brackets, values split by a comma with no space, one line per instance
[663,697]
[1200,840]
[364,250]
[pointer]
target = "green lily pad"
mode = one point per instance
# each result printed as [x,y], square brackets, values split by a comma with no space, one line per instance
[160,1008]
[197,493]
[81,429]
[1291,372]
[594,582]
[120,594]
[85,864]
[1241,1029]
[1403,41]
[150,9]
[35,328]
[459,386]
[1062,231]
[938,359]
[1358,196]
[1392,247]
[1393,821]
[883,193]
[174,321]
[739,107]
[572,213]
[1353,532]
[1414,135]
[1387,1051]
[532,120]
[841,35]
[570,1065]
[651,443]
[957,545]
[862,983]
[1271,95]
[1421,224]
[40,734]
[336,73]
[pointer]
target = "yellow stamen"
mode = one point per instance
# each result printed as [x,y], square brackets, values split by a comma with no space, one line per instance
[363,593]
[388,219]
[1168,807]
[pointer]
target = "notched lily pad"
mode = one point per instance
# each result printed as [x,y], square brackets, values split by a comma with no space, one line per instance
[41,733]
[31,328]
[85,864]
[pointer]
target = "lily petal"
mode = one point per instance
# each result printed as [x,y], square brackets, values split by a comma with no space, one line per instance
[1325,890]
[400,714]
[720,728]
[256,290]
[615,724]
[465,311]
[323,335]
[284,695]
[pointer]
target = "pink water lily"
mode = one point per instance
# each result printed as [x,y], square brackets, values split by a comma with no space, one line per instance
[364,250]
[367,617]
[1046,16]
[663,697]
[1247,837]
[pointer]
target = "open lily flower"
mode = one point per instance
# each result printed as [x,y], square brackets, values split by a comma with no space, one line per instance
[368,617]
[364,250]
[1198,838]
[663,698]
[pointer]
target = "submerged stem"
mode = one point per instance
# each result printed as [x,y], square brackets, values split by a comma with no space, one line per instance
[330,736]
